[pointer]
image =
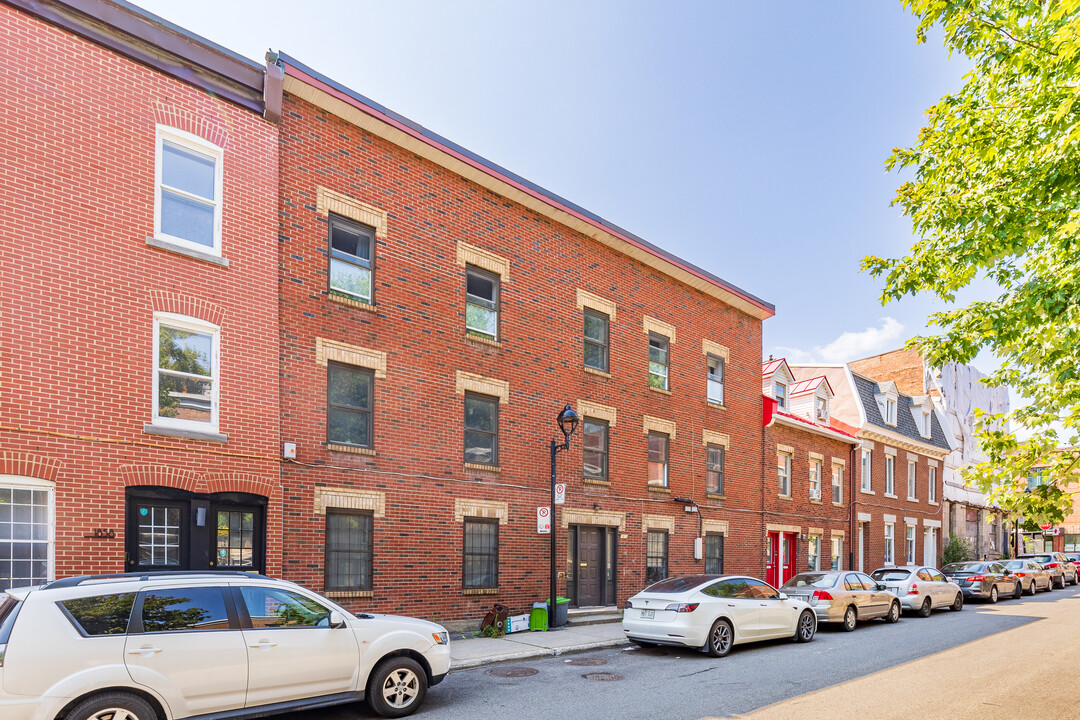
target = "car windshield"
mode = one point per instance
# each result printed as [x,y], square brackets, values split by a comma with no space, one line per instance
[1042,558]
[818,580]
[679,584]
[964,568]
[1015,565]
[887,574]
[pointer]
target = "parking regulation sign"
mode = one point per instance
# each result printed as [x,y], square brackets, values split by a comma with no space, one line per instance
[560,493]
[543,520]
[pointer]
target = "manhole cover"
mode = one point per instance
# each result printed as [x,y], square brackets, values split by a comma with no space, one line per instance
[603,677]
[587,662]
[511,671]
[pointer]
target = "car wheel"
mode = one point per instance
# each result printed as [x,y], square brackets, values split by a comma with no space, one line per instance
[1050,585]
[894,612]
[1060,585]
[958,603]
[1031,589]
[110,706]
[926,608]
[993,594]
[721,637]
[806,628]
[850,618]
[1018,590]
[397,687]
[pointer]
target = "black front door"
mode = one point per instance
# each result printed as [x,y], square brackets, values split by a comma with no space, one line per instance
[170,529]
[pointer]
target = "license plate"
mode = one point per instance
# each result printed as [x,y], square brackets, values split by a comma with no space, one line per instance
[647,614]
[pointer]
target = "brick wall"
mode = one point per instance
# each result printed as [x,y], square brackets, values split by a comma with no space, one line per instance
[418,322]
[904,367]
[81,285]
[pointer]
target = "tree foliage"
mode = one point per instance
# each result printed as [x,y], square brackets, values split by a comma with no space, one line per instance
[996,194]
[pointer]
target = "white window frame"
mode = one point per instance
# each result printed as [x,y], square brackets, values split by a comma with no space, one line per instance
[838,484]
[910,540]
[195,144]
[785,458]
[912,480]
[714,382]
[836,548]
[811,554]
[867,463]
[20,482]
[185,322]
[890,543]
[890,411]
[926,423]
[890,475]
[821,409]
[780,392]
[932,484]
[815,479]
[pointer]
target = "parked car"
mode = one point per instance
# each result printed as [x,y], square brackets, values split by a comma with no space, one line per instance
[921,588]
[1061,568]
[983,580]
[714,613]
[844,596]
[1074,558]
[164,646]
[1032,573]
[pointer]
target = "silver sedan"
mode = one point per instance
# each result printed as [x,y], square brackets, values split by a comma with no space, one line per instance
[844,596]
[1033,576]
[921,589]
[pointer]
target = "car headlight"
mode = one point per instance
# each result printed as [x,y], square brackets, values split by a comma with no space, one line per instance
[442,638]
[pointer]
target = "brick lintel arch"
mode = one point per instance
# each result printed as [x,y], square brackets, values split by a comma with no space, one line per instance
[174,302]
[163,476]
[239,482]
[41,467]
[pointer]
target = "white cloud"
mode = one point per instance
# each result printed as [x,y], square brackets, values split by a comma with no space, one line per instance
[850,345]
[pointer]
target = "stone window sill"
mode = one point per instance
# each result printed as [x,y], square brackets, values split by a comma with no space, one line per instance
[890,496]
[596,481]
[350,449]
[715,496]
[655,489]
[718,406]
[914,500]
[785,497]
[480,591]
[170,246]
[151,429]
[867,492]
[601,373]
[483,468]
[931,502]
[815,501]
[339,594]
[659,390]
[477,340]
[349,302]
[838,504]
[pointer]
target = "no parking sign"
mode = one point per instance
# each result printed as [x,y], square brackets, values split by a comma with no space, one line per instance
[543,520]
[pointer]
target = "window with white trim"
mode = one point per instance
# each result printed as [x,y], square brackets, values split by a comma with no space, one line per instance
[931,484]
[482,303]
[821,409]
[890,411]
[658,459]
[352,248]
[890,466]
[187,198]
[659,361]
[780,392]
[910,544]
[783,472]
[866,471]
[911,487]
[186,373]
[714,379]
[890,550]
[815,479]
[837,553]
[838,484]
[813,554]
[28,526]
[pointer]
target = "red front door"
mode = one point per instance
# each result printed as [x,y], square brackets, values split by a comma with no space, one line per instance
[779,558]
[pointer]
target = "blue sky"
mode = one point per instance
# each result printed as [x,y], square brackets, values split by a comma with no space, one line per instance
[748,138]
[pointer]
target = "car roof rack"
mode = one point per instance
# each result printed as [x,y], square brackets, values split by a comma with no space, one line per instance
[156,574]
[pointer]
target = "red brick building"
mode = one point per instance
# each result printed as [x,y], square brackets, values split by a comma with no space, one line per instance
[807,506]
[437,312]
[138,308]
[896,515]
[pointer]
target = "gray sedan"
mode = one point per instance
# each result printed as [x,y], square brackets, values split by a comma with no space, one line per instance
[983,580]
[921,588]
[844,596]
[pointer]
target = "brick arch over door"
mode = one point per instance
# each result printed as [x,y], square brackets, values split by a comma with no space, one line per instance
[162,476]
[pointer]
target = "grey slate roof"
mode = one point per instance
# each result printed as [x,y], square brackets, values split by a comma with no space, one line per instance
[905,423]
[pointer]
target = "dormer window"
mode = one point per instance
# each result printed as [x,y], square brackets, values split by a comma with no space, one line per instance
[926,423]
[780,392]
[890,411]
[821,409]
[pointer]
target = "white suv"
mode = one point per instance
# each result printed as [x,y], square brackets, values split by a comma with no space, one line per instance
[164,646]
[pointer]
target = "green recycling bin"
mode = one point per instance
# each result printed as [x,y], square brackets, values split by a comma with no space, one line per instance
[538,617]
[561,606]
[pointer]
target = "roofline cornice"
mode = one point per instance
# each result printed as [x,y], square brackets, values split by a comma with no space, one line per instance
[323,93]
[903,442]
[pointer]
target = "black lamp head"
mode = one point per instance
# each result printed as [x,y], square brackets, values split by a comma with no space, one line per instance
[568,421]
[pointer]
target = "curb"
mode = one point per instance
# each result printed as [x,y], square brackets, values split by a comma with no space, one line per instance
[535,653]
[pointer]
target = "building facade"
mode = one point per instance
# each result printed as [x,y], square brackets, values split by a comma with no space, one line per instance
[807,506]
[138,361]
[896,510]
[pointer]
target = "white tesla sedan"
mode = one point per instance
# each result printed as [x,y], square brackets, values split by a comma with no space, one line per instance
[715,612]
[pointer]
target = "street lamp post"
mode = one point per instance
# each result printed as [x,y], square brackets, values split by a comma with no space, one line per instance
[568,422]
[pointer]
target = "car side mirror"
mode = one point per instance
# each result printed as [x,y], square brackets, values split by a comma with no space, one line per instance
[783,596]
[881,588]
[336,619]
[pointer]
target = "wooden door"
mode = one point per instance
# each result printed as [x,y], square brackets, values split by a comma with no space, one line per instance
[590,569]
[787,558]
[772,558]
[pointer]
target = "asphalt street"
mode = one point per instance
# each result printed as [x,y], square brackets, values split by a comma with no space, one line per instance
[628,683]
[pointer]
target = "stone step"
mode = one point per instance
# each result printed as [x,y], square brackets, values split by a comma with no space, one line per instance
[605,615]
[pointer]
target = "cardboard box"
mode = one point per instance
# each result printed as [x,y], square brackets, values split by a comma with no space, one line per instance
[517,623]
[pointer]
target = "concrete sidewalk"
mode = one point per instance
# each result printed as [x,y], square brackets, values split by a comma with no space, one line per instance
[477,651]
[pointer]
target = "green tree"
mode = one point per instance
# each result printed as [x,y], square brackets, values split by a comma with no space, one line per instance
[957,549]
[995,194]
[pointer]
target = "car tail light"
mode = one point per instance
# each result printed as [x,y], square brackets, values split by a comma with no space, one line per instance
[822,595]
[976,578]
[682,607]
[914,589]
[628,605]
[1050,565]
[1020,575]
